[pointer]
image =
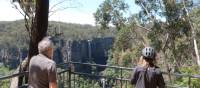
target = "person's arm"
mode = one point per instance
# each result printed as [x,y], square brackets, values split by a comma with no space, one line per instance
[52,76]
[52,84]
[134,77]
[160,81]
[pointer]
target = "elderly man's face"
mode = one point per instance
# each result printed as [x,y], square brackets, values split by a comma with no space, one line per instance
[50,53]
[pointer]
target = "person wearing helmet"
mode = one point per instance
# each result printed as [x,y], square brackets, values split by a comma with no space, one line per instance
[147,74]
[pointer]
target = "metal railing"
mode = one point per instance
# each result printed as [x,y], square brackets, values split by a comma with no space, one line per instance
[77,79]
[116,77]
[119,77]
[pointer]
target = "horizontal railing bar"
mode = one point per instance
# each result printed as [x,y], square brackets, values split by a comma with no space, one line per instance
[99,65]
[175,86]
[13,75]
[91,75]
[21,74]
[113,78]
[195,76]
[126,68]
[66,70]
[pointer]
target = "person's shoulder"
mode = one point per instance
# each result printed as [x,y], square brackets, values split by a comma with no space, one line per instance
[158,70]
[50,62]
[51,65]
[39,57]
[33,58]
[139,68]
[44,59]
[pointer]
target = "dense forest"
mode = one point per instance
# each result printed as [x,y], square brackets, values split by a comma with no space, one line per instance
[14,33]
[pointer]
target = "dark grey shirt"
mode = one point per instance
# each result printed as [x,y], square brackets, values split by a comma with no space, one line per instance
[42,70]
[147,78]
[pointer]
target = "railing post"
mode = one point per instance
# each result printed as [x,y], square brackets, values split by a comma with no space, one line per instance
[121,78]
[189,81]
[103,82]
[169,74]
[74,81]
[69,75]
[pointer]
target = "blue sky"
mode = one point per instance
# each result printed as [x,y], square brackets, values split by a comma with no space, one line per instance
[81,14]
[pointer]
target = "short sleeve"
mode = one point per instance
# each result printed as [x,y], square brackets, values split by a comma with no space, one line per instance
[52,72]
[134,77]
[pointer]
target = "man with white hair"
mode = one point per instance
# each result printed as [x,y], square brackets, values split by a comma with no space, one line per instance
[42,69]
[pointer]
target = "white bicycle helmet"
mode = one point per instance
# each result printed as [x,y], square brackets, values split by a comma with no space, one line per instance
[148,52]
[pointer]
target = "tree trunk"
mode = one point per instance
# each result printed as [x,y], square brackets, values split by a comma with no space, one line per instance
[40,26]
[38,31]
[193,35]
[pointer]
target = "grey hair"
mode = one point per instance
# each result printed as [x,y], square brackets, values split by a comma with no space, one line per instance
[44,45]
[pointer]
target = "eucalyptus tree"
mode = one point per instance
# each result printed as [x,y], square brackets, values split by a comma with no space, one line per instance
[171,31]
[111,12]
[35,14]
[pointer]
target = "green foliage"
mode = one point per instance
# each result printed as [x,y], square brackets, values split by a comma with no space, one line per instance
[5,83]
[126,47]
[183,81]
[150,10]
[3,72]
[195,18]
[155,36]
[123,39]
[76,31]
[127,58]
[84,82]
[111,11]
[14,34]
[171,36]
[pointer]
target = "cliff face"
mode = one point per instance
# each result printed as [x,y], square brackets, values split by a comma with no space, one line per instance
[91,51]
[14,42]
[11,57]
[86,51]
